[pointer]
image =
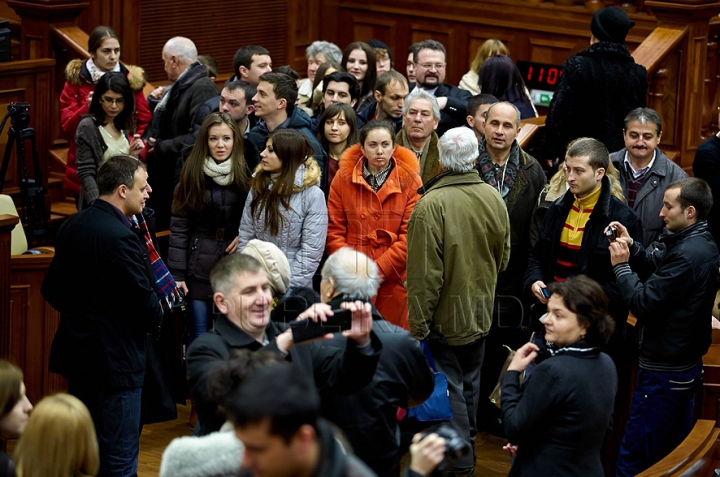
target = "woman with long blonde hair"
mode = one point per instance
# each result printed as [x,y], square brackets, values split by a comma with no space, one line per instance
[59,440]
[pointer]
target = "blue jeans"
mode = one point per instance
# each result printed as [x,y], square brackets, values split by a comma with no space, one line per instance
[661,416]
[116,414]
[202,317]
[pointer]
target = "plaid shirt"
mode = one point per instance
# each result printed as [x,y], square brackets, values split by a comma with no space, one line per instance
[376,181]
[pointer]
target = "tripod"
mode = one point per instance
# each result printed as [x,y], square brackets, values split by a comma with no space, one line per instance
[32,192]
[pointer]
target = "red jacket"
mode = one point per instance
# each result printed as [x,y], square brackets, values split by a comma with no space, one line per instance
[74,106]
[375,223]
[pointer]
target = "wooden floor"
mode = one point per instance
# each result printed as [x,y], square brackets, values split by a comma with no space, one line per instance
[491,461]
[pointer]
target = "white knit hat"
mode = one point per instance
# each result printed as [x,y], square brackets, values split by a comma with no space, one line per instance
[274,261]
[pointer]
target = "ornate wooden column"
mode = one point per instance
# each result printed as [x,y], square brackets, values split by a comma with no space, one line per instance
[695,16]
[37,17]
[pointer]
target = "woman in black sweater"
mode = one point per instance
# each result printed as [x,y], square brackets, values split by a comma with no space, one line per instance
[557,418]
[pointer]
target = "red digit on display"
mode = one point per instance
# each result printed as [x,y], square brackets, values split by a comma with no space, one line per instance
[552,76]
[529,75]
[542,72]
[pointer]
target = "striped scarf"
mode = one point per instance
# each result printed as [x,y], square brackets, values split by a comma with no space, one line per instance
[165,286]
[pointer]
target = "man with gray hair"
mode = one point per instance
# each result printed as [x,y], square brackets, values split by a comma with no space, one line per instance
[402,379]
[458,243]
[645,171]
[519,179]
[430,69]
[420,118]
[173,118]
[317,53]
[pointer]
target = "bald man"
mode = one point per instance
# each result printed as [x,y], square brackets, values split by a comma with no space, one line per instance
[174,109]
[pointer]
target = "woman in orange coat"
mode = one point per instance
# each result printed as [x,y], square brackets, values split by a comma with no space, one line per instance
[370,202]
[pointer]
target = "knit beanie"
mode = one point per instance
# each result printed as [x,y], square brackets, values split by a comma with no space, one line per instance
[611,24]
[379,44]
[274,262]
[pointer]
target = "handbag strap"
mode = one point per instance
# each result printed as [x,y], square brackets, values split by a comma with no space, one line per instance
[426,348]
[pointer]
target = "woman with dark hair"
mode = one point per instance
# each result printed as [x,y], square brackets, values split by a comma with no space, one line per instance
[558,417]
[15,408]
[206,211]
[286,206]
[81,78]
[369,206]
[359,60]
[105,132]
[323,70]
[500,77]
[337,131]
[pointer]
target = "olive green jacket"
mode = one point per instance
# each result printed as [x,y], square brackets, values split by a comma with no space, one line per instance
[458,242]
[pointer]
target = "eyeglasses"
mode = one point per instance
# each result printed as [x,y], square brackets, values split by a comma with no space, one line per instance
[118,101]
[429,66]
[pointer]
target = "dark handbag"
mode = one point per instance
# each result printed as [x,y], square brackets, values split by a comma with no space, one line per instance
[437,407]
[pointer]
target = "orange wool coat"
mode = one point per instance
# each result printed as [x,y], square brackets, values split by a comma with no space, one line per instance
[375,223]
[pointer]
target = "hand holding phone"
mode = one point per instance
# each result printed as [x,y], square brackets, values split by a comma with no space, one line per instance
[307,329]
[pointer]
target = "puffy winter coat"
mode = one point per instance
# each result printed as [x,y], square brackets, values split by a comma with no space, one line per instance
[302,234]
[198,240]
[375,223]
[74,106]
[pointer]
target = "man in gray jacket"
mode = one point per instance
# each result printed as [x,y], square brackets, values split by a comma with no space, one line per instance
[645,171]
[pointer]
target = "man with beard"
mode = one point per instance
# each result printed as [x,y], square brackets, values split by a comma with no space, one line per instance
[645,171]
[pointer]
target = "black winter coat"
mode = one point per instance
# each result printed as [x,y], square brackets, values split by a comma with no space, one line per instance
[598,88]
[521,203]
[101,282]
[455,111]
[673,303]
[337,370]
[595,255]
[172,128]
[558,418]
[403,378]
[198,240]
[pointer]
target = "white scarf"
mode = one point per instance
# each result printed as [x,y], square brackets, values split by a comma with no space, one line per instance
[96,73]
[221,173]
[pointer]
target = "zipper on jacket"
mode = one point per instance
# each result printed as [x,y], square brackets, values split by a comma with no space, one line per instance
[640,337]
[194,245]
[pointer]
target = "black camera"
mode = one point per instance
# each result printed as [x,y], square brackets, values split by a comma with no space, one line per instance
[611,233]
[455,446]
[19,114]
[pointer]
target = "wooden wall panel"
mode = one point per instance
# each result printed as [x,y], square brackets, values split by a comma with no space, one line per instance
[33,325]
[542,32]
[217,28]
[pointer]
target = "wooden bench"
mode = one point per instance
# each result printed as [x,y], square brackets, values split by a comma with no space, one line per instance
[697,455]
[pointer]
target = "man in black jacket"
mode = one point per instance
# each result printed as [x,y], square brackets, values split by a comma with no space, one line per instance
[430,69]
[174,109]
[276,415]
[243,297]
[671,292]
[403,377]
[572,237]
[101,281]
[519,179]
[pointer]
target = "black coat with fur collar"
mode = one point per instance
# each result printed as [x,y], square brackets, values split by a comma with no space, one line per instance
[599,86]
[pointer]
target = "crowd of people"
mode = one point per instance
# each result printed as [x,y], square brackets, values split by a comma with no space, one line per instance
[401,206]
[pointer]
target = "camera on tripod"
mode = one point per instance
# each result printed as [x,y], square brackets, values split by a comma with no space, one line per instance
[32,191]
[19,114]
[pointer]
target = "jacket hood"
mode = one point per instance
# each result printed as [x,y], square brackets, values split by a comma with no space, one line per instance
[407,163]
[307,175]
[299,119]
[76,74]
